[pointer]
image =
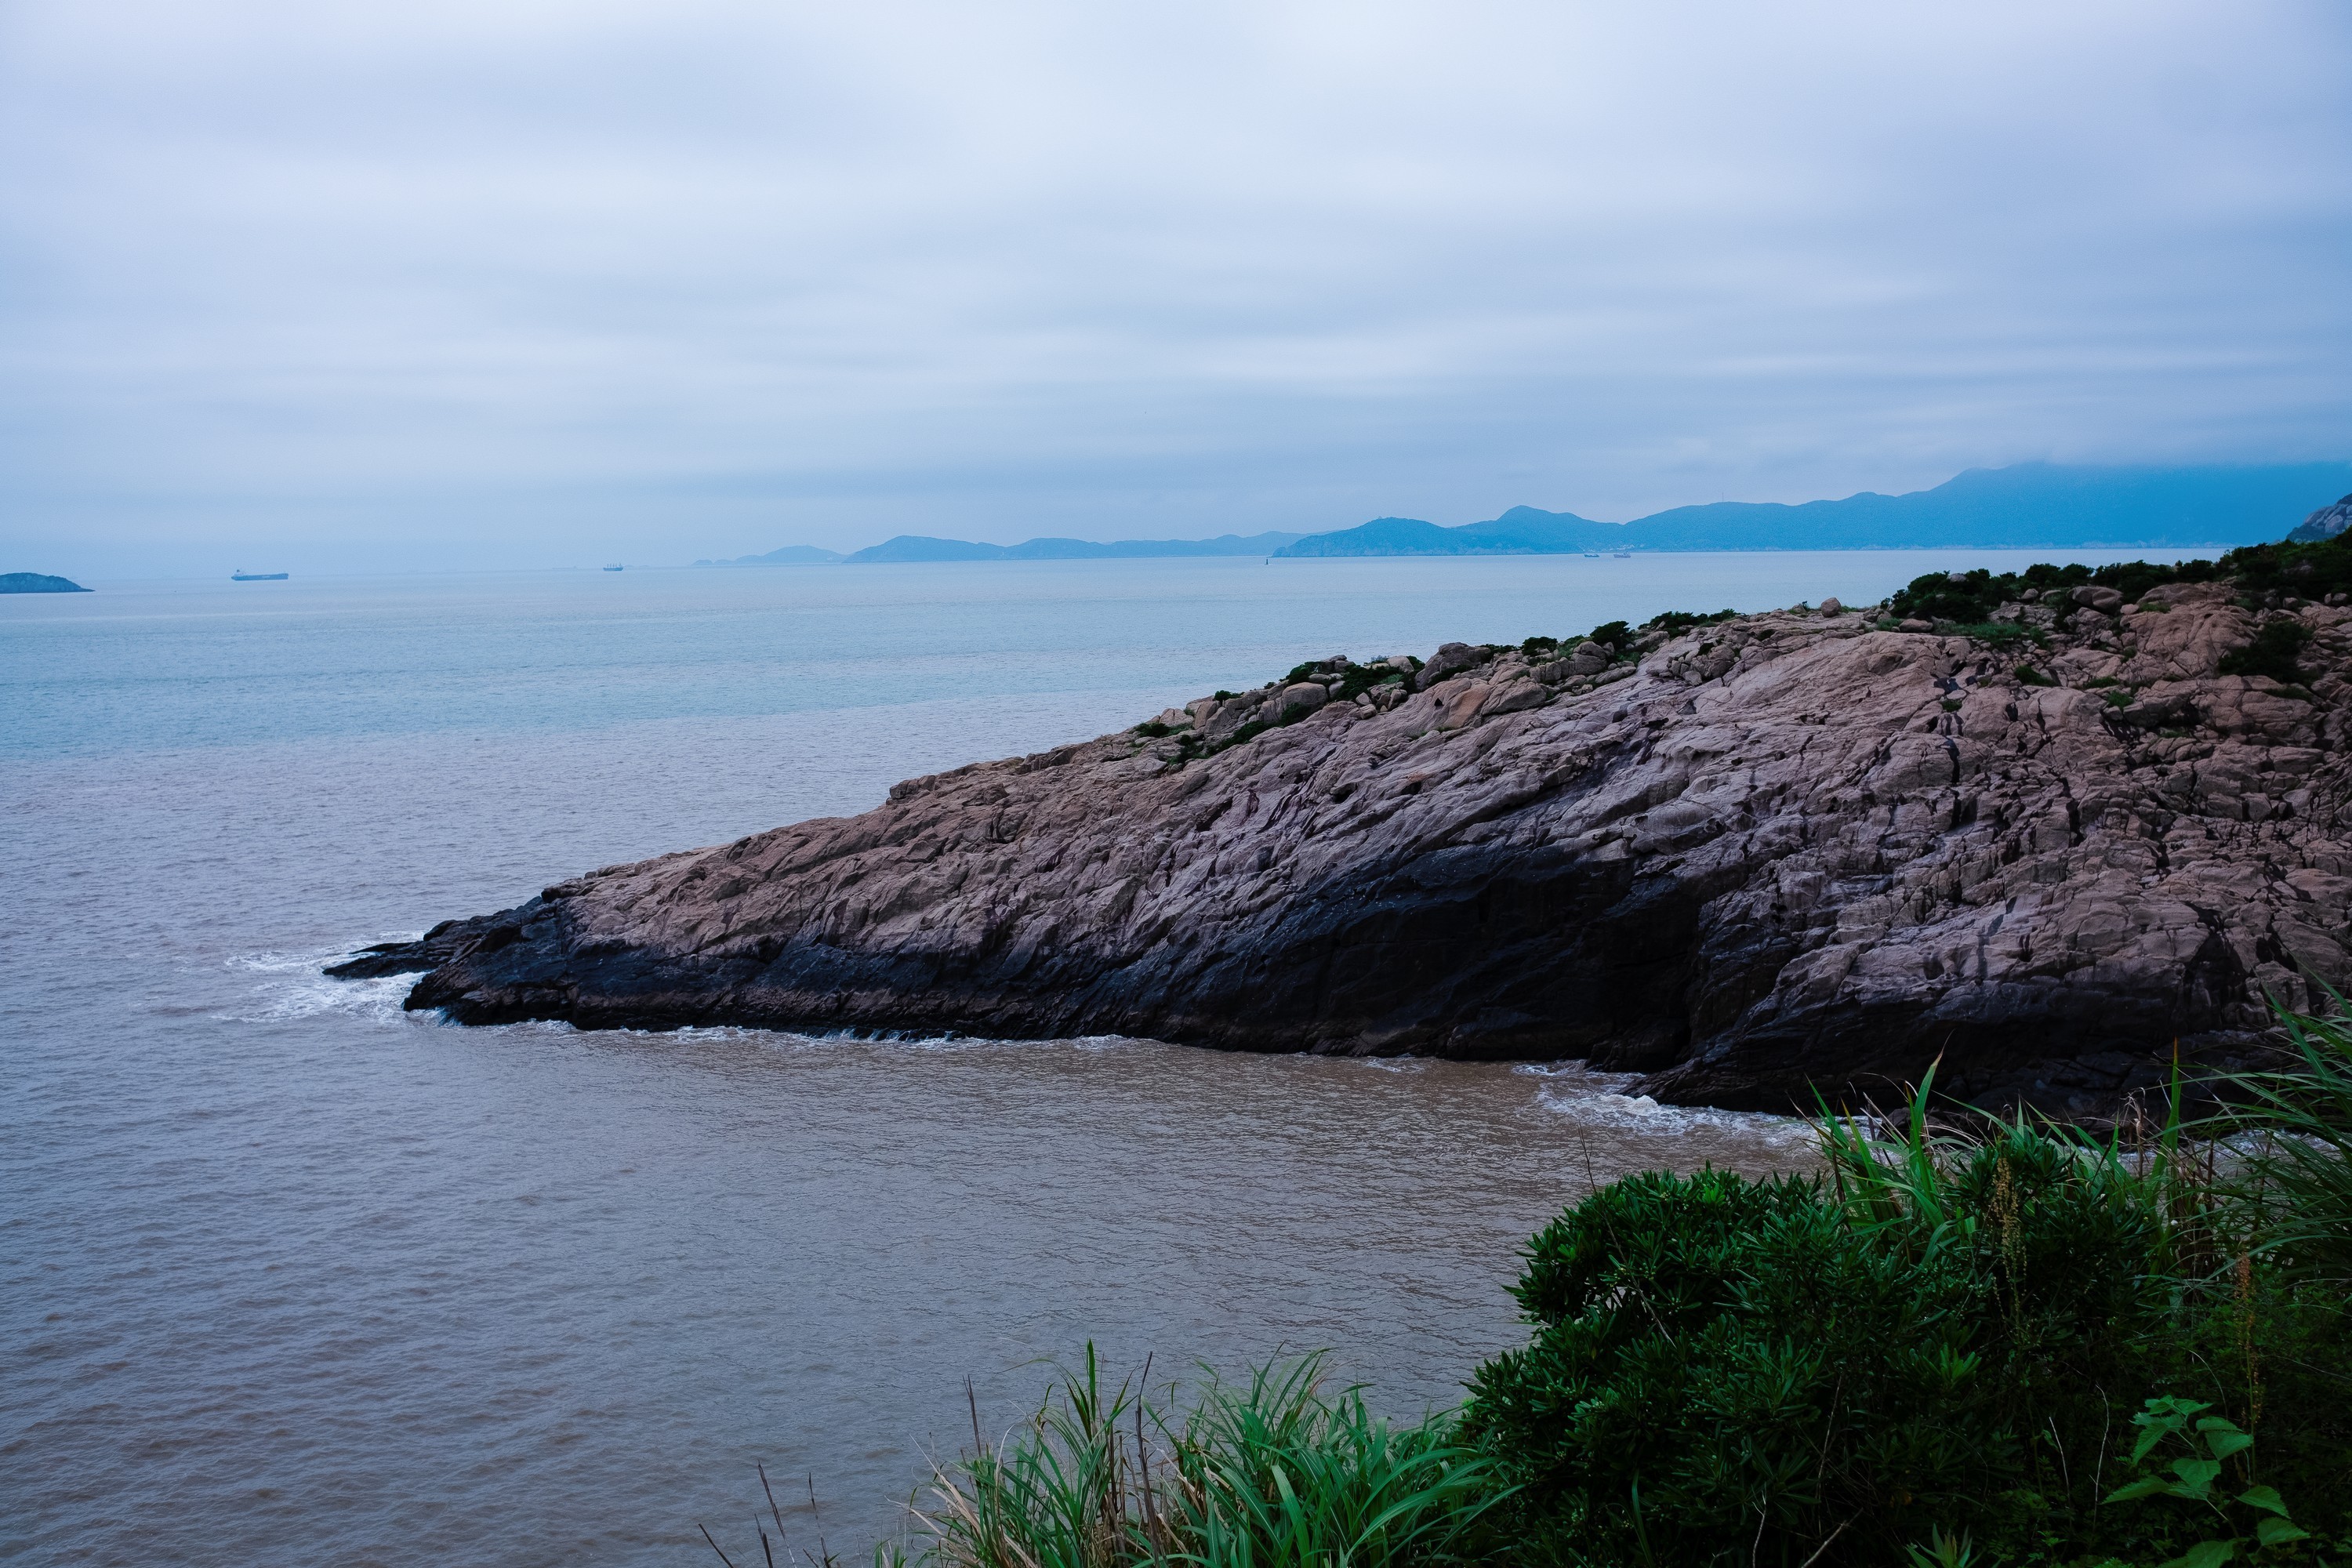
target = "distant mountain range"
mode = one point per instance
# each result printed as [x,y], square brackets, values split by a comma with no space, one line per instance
[916,547]
[2028,506]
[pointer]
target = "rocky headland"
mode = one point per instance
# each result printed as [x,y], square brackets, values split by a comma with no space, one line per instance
[2046,828]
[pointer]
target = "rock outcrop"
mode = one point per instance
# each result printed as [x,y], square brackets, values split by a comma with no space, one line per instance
[2326,523]
[1760,855]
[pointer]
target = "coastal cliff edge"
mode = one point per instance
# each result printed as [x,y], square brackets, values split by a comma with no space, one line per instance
[1745,859]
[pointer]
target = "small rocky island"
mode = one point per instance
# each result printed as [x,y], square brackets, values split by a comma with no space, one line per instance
[38,582]
[2045,827]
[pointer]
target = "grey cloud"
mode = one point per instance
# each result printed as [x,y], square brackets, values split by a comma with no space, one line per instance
[515,282]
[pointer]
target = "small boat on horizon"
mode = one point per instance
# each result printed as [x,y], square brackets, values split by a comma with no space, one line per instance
[1593,555]
[1625,555]
[242,576]
[615,566]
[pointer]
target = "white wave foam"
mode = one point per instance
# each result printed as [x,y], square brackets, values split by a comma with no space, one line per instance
[1573,1090]
[310,961]
[298,987]
[310,995]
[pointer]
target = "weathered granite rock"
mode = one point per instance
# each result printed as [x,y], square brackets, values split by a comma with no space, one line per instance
[2326,523]
[1299,699]
[1451,659]
[1784,852]
[1589,658]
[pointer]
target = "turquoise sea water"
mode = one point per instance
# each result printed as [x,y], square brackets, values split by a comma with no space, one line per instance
[289,1276]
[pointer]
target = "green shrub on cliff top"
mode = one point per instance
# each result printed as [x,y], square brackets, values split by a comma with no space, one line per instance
[1969,602]
[1938,1338]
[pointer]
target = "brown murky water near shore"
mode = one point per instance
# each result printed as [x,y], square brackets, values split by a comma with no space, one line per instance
[287,1275]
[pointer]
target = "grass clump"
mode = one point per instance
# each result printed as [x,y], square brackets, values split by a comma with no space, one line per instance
[1273,1473]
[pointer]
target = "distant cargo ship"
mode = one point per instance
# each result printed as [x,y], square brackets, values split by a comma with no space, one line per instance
[242,576]
[614,567]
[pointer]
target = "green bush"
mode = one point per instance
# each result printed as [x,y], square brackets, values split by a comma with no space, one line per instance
[1934,1342]
[2271,653]
[1731,1370]
[1677,621]
[1967,604]
[2312,571]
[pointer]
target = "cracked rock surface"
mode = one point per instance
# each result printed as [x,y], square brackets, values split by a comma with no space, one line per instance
[1782,851]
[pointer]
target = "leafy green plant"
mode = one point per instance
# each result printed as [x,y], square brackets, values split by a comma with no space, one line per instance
[1270,1474]
[2292,1182]
[2211,1444]
[1942,1550]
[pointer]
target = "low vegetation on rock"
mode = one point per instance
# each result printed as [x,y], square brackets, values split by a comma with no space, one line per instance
[1985,1342]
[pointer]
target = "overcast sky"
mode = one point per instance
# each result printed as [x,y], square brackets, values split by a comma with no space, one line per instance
[506,283]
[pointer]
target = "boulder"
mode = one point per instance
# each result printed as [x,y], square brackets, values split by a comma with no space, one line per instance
[1589,658]
[1450,659]
[1296,701]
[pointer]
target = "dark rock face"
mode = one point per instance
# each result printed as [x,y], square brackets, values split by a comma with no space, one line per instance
[1786,852]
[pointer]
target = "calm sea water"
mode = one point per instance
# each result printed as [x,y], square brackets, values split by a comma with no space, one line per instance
[291,1276]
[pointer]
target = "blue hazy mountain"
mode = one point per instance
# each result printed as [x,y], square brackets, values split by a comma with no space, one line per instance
[2028,506]
[38,582]
[915,547]
[790,555]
